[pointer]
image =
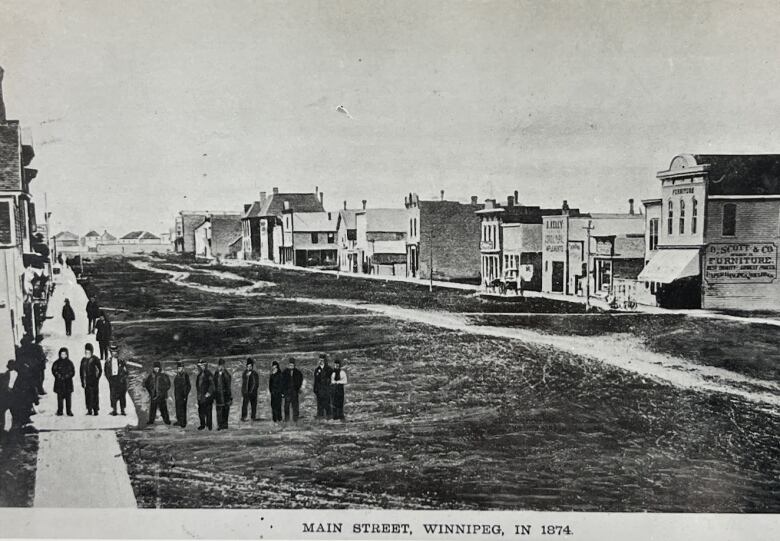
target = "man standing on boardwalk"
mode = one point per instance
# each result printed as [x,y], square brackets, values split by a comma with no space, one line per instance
[322,387]
[63,372]
[181,391]
[103,334]
[93,311]
[116,373]
[68,315]
[277,392]
[292,380]
[204,388]
[223,395]
[90,372]
[157,384]
[250,383]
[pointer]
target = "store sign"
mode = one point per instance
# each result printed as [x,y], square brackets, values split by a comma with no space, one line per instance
[555,236]
[754,262]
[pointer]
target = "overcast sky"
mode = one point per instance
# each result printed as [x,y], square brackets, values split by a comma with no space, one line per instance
[139,109]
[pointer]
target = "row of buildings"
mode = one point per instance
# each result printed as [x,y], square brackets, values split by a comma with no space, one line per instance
[710,240]
[134,242]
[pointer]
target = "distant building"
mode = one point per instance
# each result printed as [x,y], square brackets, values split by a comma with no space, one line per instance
[719,233]
[90,241]
[308,239]
[443,239]
[511,242]
[67,243]
[262,222]
[184,230]
[214,236]
[350,259]
[381,240]
[135,242]
[140,237]
[107,237]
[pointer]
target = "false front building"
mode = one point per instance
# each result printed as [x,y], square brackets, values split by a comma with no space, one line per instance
[717,232]
[308,239]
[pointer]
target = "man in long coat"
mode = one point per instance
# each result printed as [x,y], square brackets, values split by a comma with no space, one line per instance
[69,316]
[204,388]
[292,380]
[63,372]
[93,312]
[181,391]
[90,372]
[103,334]
[250,383]
[157,384]
[276,391]
[116,373]
[223,394]
[322,386]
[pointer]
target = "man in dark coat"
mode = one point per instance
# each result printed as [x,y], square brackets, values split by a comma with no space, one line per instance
[322,387]
[250,383]
[338,380]
[90,372]
[68,315]
[103,334]
[116,373]
[181,391]
[157,384]
[292,380]
[9,395]
[93,312]
[223,395]
[277,392]
[63,372]
[204,388]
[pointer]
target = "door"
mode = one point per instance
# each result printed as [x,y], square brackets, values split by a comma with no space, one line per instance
[557,276]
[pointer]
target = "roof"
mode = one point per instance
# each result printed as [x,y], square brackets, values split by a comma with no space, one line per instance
[140,235]
[734,174]
[66,235]
[238,239]
[523,214]
[92,233]
[386,220]
[107,236]
[312,222]
[348,217]
[225,223]
[274,204]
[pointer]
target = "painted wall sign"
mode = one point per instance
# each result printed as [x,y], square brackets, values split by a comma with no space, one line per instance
[555,236]
[751,262]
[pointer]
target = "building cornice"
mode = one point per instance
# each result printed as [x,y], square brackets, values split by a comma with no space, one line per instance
[681,173]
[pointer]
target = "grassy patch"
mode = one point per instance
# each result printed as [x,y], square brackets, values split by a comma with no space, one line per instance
[18,455]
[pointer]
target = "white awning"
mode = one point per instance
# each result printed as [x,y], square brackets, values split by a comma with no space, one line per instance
[666,266]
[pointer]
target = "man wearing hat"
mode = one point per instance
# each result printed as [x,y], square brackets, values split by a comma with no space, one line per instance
[276,391]
[250,383]
[157,384]
[90,372]
[322,387]
[223,395]
[292,380]
[116,373]
[181,390]
[204,388]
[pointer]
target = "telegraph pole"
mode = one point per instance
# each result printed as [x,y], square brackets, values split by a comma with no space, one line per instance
[588,229]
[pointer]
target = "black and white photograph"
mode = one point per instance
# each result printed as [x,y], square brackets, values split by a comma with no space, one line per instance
[389,269]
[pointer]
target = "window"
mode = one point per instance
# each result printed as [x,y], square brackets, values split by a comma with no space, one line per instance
[415,227]
[694,215]
[653,233]
[682,217]
[315,238]
[729,228]
[670,220]
[411,227]
[331,238]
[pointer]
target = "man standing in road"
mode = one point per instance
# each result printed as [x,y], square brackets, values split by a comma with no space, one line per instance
[292,380]
[181,391]
[322,387]
[250,383]
[276,391]
[116,373]
[204,388]
[103,334]
[93,311]
[68,315]
[90,372]
[223,395]
[157,384]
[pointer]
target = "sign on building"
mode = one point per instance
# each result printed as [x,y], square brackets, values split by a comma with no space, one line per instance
[555,236]
[733,263]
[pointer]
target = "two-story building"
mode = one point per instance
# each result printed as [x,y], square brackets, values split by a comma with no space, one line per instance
[262,222]
[719,233]
[381,241]
[308,238]
[442,239]
[346,238]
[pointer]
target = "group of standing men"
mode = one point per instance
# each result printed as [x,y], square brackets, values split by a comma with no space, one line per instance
[214,390]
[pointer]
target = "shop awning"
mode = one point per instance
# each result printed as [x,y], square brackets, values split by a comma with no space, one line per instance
[666,266]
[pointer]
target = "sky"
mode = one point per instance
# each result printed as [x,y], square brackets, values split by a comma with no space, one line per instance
[141,109]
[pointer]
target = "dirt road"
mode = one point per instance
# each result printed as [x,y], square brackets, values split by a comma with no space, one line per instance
[79,462]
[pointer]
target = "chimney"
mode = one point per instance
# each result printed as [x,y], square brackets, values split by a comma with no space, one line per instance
[565,208]
[247,206]
[345,205]
[276,190]
[442,195]
[474,200]
[2,103]
[510,201]
[321,199]
[517,198]
[262,198]
[364,204]
[631,206]
[316,190]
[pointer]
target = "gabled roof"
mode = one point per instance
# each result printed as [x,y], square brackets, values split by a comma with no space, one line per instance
[347,216]
[66,235]
[312,222]
[92,233]
[274,204]
[386,220]
[107,236]
[140,235]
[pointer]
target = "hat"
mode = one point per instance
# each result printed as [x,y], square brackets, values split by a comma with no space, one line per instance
[156,364]
[201,361]
[275,363]
[250,361]
[323,355]
[291,360]
[179,364]
[89,347]
[221,362]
